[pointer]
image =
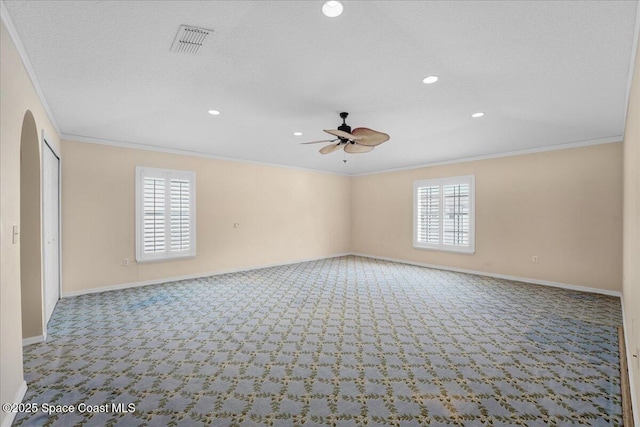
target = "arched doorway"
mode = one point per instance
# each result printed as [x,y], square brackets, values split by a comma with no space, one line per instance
[33,328]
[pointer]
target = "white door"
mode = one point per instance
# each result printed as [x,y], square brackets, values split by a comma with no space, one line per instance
[51,229]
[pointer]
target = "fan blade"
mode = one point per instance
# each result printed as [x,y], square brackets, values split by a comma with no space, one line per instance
[369,137]
[341,134]
[357,148]
[318,142]
[329,148]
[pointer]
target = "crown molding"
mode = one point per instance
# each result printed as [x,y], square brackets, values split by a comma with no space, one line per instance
[136,146]
[13,33]
[576,144]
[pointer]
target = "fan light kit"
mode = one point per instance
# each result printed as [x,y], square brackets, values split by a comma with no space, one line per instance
[332,9]
[360,140]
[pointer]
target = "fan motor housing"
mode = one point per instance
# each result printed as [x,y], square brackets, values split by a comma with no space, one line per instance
[345,128]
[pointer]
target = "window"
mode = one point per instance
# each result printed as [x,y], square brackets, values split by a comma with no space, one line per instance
[165,214]
[444,214]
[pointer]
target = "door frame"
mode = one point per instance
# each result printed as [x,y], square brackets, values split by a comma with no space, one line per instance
[46,146]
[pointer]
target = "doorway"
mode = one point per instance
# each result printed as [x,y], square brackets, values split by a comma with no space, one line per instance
[31,248]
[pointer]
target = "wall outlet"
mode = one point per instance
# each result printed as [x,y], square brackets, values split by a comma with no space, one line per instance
[126,262]
[534,259]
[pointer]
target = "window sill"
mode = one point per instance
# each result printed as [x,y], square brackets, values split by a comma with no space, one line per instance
[470,251]
[173,258]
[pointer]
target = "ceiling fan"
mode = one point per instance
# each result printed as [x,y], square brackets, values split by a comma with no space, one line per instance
[360,140]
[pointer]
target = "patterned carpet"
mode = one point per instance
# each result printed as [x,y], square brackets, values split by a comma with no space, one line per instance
[346,341]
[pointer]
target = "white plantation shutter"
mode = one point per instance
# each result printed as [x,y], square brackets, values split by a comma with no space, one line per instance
[429,214]
[165,214]
[154,215]
[180,214]
[444,214]
[455,225]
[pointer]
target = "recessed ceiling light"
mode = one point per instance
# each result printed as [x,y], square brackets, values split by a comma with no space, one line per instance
[213,112]
[297,133]
[332,9]
[476,115]
[430,79]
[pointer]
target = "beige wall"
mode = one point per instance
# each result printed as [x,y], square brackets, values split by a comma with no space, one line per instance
[563,206]
[284,215]
[17,96]
[631,244]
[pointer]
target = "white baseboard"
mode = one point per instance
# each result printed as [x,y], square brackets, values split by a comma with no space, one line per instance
[33,340]
[631,361]
[499,276]
[10,416]
[401,261]
[192,276]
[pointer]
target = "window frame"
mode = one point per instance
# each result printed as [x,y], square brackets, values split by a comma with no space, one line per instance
[143,172]
[441,182]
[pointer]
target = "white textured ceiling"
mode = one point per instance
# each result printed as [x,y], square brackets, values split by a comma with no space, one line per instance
[544,72]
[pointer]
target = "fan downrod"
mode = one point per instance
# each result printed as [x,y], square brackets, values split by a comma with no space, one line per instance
[344,126]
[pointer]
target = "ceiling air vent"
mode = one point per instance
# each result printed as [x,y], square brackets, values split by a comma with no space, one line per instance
[190,39]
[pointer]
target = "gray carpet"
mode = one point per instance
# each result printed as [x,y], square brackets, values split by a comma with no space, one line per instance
[346,341]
